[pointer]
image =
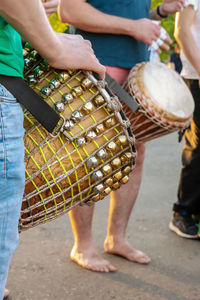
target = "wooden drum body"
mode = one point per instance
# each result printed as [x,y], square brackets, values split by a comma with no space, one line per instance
[165,102]
[90,156]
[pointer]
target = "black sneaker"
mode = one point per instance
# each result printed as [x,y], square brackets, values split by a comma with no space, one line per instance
[196,219]
[184,226]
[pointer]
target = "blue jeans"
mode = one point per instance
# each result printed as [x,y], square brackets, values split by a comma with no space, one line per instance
[12,178]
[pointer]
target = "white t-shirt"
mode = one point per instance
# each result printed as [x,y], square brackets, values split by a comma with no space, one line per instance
[188,71]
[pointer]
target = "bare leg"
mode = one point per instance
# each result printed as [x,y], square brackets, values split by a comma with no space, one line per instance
[121,204]
[84,252]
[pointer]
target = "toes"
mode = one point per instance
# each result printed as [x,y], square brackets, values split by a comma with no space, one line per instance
[140,258]
[144,260]
[112,268]
[103,269]
[90,267]
[95,268]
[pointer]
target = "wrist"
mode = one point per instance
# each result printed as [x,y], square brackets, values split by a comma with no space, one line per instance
[132,28]
[56,50]
[161,11]
[127,26]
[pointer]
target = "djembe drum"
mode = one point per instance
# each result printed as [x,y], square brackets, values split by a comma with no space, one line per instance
[165,102]
[90,155]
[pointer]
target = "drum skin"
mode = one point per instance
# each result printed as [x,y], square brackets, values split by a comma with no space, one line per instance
[165,102]
[90,155]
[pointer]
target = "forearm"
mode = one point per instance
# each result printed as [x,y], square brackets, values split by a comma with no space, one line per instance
[189,47]
[33,26]
[88,18]
[184,36]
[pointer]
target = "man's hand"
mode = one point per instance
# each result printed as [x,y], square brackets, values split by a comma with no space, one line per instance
[50,6]
[73,52]
[148,32]
[171,7]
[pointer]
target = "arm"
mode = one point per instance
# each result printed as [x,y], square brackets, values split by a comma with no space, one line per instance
[50,6]
[16,14]
[30,20]
[84,16]
[185,38]
[166,8]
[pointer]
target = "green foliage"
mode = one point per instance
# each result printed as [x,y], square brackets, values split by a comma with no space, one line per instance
[155,3]
[168,24]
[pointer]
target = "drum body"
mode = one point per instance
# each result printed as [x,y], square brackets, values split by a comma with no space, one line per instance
[91,154]
[165,102]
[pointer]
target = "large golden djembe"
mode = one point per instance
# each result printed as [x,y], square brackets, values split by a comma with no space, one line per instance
[91,153]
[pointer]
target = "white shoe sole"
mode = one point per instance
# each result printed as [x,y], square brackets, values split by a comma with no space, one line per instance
[180,233]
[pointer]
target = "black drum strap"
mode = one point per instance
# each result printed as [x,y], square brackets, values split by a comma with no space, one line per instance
[121,93]
[33,102]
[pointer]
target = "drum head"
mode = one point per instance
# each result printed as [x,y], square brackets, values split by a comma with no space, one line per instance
[162,91]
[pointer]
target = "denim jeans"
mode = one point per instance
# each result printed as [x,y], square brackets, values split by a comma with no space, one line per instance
[12,178]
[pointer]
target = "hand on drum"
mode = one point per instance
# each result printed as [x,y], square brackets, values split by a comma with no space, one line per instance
[171,6]
[73,52]
[50,6]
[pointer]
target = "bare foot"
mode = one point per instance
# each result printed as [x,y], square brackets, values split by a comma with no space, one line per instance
[122,248]
[90,259]
[6,293]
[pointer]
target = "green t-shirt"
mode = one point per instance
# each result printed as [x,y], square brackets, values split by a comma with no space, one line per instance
[11,54]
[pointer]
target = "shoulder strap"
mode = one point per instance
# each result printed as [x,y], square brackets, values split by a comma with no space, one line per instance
[31,101]
[121,93]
